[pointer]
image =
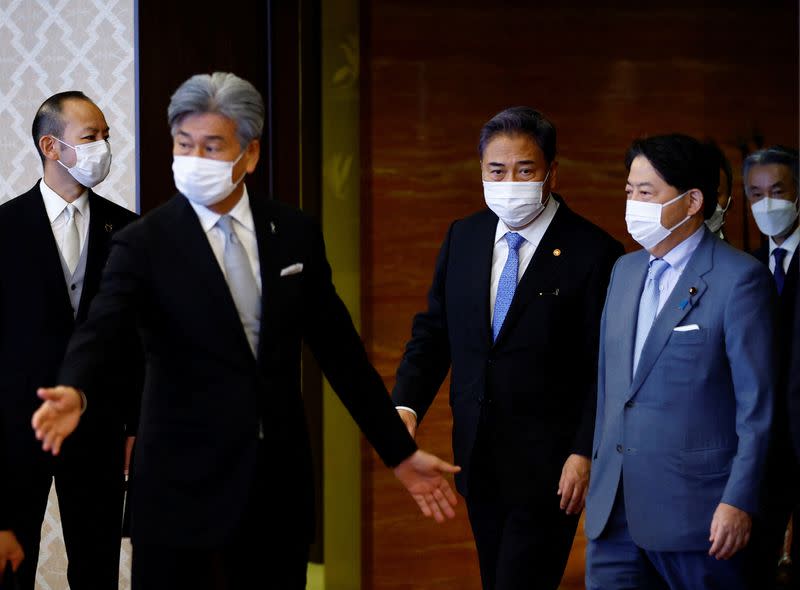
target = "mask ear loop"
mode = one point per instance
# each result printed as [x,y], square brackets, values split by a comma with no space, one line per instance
[69,146]
[236,161]
[542,200]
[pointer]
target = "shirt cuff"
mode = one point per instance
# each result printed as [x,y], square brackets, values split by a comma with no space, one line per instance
[407,409]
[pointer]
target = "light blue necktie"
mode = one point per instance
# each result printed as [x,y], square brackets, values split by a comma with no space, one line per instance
[648,306]
[508,282]
[241,282]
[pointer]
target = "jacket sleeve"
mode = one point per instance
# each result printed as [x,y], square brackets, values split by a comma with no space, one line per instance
[330,334]
[594,302]
[97,342]
[749,345]
[426,360]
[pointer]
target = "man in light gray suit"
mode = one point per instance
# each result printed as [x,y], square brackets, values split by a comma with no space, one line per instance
[685,387]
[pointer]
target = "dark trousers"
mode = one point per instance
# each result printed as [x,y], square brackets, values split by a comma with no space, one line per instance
[519,546]
[780,500]
[615,562]
[90,505]
[268,551]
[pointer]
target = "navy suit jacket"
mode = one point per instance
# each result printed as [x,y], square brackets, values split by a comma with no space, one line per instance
[691,428]
[533,388]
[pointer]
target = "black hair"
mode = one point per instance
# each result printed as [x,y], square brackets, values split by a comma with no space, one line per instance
[682,162]
[524,121]
[48,119]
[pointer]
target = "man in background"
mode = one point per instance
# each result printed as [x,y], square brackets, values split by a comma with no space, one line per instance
[54,242]
[770,183]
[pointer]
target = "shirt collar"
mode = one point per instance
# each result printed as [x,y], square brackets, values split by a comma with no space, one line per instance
[789,244]
[534,231]
[55,204]
[679,256]
[241,212]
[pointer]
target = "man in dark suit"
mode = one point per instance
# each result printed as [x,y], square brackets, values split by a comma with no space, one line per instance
[514,311]
[685,387]
[54,242]
[770,183]
[225,287]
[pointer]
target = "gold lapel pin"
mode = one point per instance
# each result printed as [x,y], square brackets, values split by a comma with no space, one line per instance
[692,290]
[557,252]
[109,228]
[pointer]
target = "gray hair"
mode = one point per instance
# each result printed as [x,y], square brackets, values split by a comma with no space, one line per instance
[776,154]
[223,93]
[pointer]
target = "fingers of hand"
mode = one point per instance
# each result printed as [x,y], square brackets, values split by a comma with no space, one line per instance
[567,489]
[423,505]
[448,493]
[443,503]
[434,508]
[576,502]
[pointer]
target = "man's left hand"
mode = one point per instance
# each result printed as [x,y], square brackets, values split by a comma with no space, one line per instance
[423,476]
[574,483]
[730,531]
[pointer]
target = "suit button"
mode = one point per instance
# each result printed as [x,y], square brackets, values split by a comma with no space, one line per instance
[73,287]
[619,448]
[629,404]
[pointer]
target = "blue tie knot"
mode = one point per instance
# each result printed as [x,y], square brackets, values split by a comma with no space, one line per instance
[657,268]
[514,240]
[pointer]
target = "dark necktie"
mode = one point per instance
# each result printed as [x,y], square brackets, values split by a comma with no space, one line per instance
[780,274]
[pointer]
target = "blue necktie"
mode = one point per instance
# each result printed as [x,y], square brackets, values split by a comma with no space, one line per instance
[780,274]
[648,306]
[241,282]
[508,282]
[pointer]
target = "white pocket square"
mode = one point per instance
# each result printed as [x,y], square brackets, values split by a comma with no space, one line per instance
[292,269]
[686,328]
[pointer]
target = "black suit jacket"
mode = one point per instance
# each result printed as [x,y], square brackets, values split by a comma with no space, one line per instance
[536,384]
[205,393]
[36,322]
[786,422]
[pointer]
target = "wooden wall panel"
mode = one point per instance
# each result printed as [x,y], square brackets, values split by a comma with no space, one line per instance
[605,73]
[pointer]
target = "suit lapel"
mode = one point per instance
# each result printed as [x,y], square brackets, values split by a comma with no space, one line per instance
[193,243]
[542,272]
[625,312]
[268,238]
[480,261]
[685,295]
[100,228]
[44,248]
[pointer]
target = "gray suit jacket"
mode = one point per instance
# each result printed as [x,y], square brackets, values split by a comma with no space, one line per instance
[691,428]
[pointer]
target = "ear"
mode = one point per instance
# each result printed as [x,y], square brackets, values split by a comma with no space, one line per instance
[253,152]
[49,147]
[553,178]
[696,202]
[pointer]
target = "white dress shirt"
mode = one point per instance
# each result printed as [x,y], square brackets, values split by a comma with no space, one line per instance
[533,236]
[789,244]
[245,229]
[677,258]
[57,214]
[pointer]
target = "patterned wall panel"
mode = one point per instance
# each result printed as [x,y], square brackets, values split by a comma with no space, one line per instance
[48,46]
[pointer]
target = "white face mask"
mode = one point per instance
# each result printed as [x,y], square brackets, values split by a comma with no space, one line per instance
[204,181]
[644,222]
[92,162]
[774,216]
[717,219]
[516,203]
